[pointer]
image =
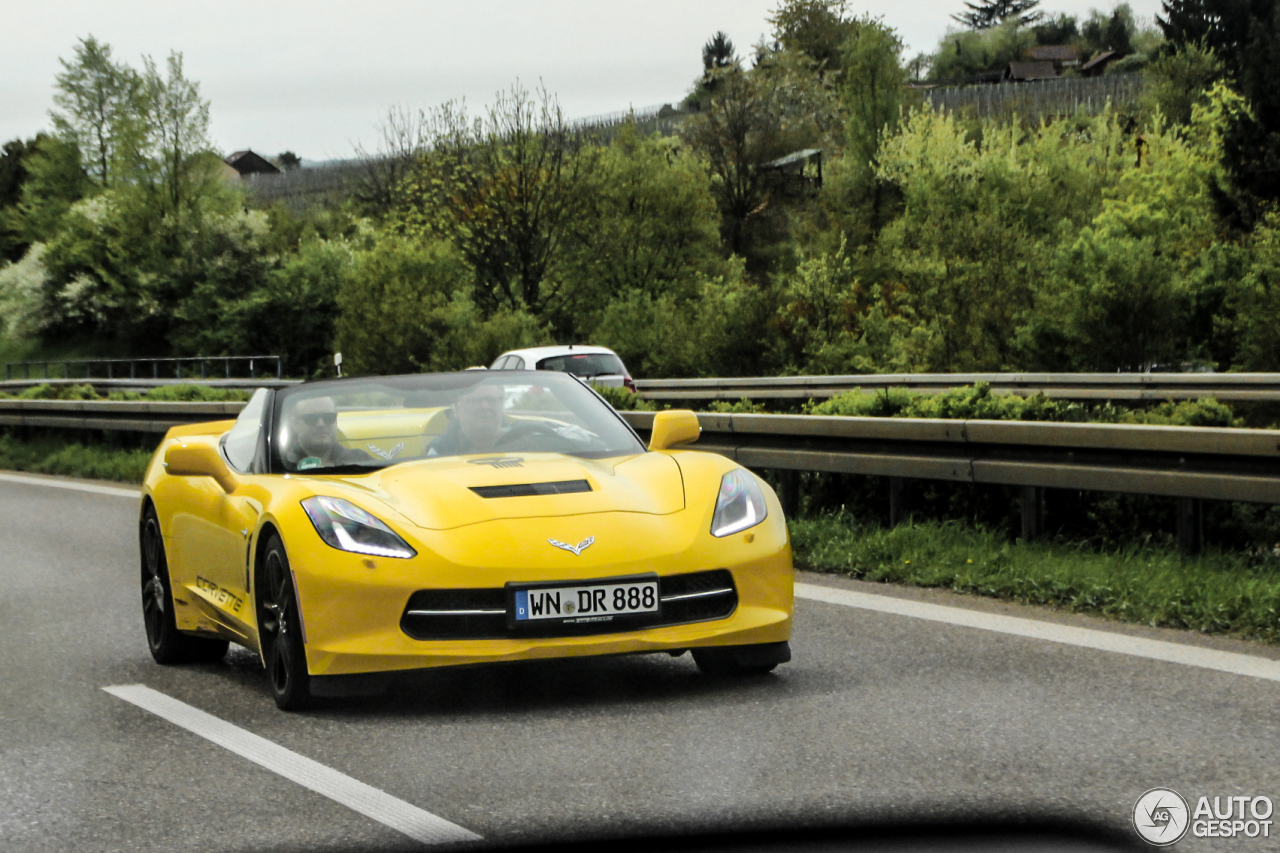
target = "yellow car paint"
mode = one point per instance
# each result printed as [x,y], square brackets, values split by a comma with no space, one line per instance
[649,512]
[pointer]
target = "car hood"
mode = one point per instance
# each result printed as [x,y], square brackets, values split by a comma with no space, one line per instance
[438,494]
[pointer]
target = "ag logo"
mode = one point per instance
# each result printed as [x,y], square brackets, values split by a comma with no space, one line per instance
[1161,817]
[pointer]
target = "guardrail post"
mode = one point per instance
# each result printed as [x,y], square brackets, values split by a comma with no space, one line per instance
[789,494]
[1190,525]
[226,363]
[109,369]
[1032,512]
[253,374]
[899,501]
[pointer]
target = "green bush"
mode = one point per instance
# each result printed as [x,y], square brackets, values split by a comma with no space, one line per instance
[407,307]
[59,392]
[624,400]
[55,455]
[977,402]
[735,407]
[195,394]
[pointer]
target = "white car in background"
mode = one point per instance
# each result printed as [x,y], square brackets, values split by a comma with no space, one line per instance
[598,365]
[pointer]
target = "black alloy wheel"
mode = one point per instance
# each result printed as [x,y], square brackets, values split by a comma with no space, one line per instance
[168,645]
[280,631]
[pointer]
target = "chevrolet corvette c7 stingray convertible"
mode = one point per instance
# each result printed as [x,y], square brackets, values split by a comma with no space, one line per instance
[354,529]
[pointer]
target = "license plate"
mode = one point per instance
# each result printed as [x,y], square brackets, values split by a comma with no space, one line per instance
[584,603]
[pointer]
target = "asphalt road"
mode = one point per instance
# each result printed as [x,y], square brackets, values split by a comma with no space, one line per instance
[879,720]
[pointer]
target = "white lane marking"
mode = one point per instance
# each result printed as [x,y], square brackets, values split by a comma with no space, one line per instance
[369,801]
[1089,638]
[69,484]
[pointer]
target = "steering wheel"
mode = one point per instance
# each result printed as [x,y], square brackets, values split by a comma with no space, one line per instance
[524,430]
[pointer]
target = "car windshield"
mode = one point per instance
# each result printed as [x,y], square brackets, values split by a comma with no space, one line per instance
[584,364]
[353,424]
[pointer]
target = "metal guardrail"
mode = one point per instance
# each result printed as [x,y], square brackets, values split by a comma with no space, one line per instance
[124,416]
[111,366]
[1240,387]
[1187,462]
[106,386]
[1191,464]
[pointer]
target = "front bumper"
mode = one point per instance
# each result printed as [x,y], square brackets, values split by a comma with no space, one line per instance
[352,606]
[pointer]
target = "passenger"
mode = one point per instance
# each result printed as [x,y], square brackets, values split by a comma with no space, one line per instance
[315,435]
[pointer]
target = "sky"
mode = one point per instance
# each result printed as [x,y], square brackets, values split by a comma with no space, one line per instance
[317,77]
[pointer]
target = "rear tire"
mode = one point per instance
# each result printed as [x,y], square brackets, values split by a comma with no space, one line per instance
[168,645]
[757,659]
[280,631]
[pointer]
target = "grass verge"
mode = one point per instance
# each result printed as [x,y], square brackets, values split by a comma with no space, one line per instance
[57,455]
[1217,592]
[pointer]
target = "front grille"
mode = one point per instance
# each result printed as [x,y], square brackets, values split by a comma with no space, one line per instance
[481,614]
[524,490]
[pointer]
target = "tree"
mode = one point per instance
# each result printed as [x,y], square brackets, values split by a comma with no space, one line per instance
[648,224]
[503,190]
[718,53]
[962,269]
[963,55]
[288,160]
[1109,32]
[406,308]
[816,28]
[1221,25]
[404,138]
[1057,29]
[986,14]
[872,91]
[1177,81]
[55,180]
[14,173]
[99,108]
[176,122]
[1245,37]
[744,126]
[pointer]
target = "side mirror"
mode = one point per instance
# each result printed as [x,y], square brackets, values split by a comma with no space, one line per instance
[199,460]
[677,426]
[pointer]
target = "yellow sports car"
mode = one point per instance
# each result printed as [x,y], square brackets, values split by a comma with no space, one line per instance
[355,529]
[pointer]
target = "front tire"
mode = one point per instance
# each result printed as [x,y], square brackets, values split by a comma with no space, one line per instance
[168,645]
[280,631]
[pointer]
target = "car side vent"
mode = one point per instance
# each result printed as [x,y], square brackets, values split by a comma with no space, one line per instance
[524,490]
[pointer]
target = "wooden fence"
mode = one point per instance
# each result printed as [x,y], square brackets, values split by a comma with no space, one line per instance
[1041,98]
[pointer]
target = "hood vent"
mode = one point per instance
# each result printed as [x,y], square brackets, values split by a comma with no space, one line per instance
[524,490]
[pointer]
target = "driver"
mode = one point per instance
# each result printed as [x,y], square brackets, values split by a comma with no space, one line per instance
[478,423]
[315,429]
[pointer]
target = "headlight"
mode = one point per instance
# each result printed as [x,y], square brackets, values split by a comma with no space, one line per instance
[740,504]
[347,527]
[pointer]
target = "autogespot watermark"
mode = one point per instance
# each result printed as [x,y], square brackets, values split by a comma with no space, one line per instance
[1162,817]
